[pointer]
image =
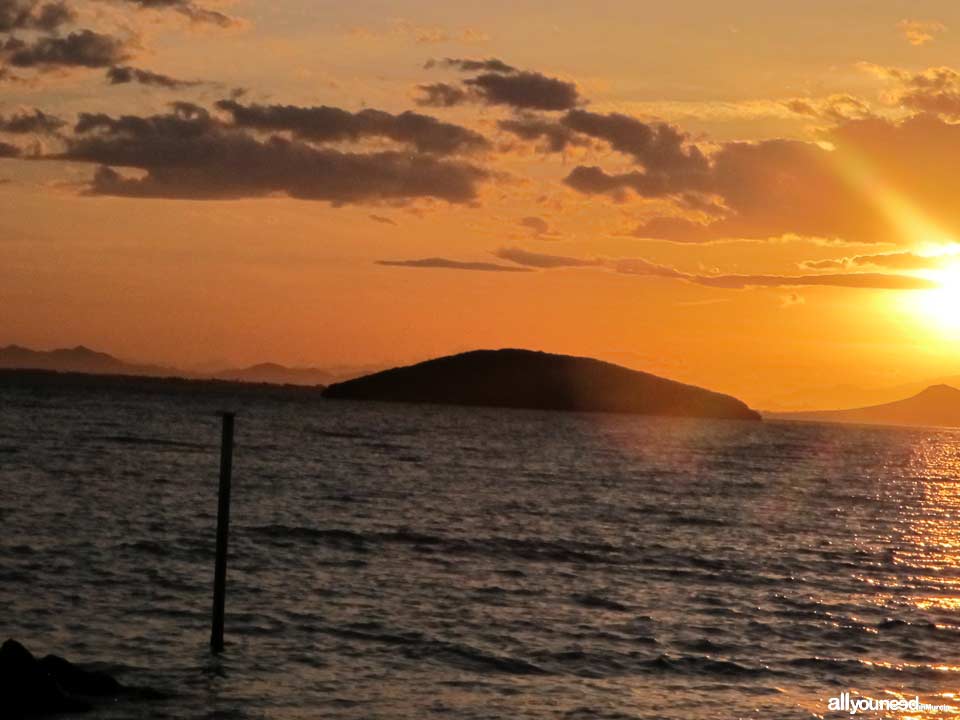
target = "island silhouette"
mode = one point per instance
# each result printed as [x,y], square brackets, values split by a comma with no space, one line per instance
[938,405]
[529,379]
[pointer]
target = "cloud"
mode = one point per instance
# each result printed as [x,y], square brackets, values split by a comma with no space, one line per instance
[840,189]
[537,225]
[544,261]
[642,267]
[500,84]
[466,65]
[9,151]
[592,180]
[84,48]
[834,108]
[675,229]
[188,9]
[837,189]
[429,35]
[527,260]
[382,219]
[525,90]
[658,147]
[934,90]
[123,74]
[770,188]
[37,122]
[444,263]
[189,154]
[671,163]
[892,261]
[48,47]
[34,15]
[423,34]
[330,124]
[556,137]
[920,32]
[441,95]
[874,281]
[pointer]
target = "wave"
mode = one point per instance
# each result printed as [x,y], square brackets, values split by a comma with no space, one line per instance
[334,536]
[863,667]
[600,602]
[704,665]
[419,646]
[500,547]
[156,442]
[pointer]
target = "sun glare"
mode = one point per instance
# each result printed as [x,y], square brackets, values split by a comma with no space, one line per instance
[941,306]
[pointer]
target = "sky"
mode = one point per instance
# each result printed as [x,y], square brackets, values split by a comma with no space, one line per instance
[754,197]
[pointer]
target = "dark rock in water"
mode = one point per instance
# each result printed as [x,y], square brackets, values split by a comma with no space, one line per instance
[31,687]
[26,689]
[77,681]
[527,379]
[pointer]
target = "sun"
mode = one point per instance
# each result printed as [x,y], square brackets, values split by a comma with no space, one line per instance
[941,306]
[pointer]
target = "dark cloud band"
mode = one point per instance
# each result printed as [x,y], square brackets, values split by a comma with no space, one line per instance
[500,84]
[188,154]
[124,74]
[84,48]
[330,124]
[36,122]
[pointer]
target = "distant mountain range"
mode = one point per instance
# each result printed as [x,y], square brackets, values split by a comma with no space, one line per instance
[938,405]
[848,396]
[81,359]
[528,379]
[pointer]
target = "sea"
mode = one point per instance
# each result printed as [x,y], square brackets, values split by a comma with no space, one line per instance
[399,561]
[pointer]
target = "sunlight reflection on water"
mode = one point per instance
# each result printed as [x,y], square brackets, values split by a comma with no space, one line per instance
[403,562]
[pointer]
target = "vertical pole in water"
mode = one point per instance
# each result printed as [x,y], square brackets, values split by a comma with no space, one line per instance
[223,528]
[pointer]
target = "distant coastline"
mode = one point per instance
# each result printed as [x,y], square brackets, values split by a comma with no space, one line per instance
[81,359]
[494,378]
[62,380]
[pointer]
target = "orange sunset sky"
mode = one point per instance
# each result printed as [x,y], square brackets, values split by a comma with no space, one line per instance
[757,197]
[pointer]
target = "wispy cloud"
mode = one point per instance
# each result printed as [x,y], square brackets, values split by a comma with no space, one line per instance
[420,34]
[920,32]
[447,264]
[124,74]
[528,260]
[890,261]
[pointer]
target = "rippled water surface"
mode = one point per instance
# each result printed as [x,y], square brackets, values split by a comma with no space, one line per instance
[396,561]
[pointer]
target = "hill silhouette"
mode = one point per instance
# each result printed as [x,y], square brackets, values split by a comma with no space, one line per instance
[937,405]
[81,359]
[831,397]
[528,379]
[77,359]
[277,375]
